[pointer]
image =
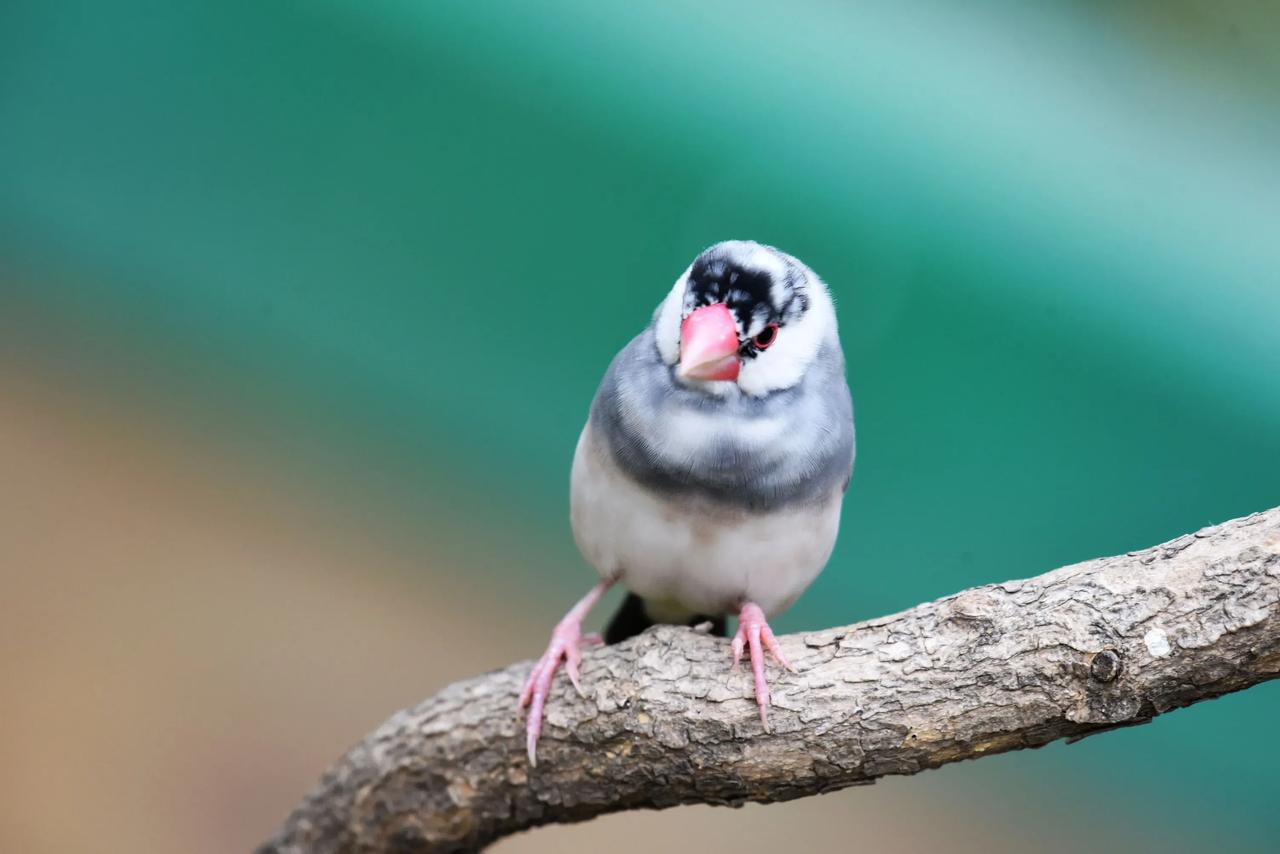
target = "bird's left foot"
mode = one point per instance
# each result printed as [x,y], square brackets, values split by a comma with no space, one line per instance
[754,634]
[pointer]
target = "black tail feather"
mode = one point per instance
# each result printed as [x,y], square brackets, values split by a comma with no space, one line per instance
[631,619]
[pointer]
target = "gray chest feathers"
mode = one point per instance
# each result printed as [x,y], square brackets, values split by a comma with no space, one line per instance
[788,449]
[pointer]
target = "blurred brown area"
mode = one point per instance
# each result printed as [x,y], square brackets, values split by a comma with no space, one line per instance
[183,648]
[187,642]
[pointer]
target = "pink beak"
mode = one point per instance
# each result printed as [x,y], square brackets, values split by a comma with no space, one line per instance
[709,344]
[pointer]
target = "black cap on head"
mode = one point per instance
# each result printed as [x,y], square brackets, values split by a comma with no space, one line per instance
[757,294]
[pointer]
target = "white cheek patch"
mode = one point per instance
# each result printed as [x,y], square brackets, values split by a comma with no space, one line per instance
[797,345]
[666,326]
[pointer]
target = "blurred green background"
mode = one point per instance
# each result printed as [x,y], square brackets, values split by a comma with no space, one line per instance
[302,306]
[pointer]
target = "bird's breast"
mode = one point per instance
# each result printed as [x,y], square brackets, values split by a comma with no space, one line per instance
[791,448]
[687,548]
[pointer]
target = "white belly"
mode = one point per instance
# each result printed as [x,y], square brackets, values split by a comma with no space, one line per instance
[690,555]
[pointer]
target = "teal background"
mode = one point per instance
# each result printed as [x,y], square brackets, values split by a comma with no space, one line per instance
[384,251]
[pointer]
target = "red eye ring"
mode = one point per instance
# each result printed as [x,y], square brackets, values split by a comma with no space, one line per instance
[765,337]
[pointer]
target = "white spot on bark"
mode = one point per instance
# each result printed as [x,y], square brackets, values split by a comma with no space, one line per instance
[1157,643]
[899,651]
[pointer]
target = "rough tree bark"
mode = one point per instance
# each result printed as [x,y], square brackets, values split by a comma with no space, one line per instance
[1090,647]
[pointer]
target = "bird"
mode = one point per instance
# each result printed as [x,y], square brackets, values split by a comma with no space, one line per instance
[709,477]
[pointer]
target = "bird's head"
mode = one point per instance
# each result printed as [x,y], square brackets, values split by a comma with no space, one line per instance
[744,314]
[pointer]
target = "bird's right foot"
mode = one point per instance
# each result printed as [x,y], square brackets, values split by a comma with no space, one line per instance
[565,646]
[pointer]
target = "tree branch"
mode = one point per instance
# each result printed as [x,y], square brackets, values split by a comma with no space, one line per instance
[1102,644]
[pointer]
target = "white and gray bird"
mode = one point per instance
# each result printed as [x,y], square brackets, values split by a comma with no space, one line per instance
[709,476]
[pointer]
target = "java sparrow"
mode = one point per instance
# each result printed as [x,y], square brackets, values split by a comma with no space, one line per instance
[709,476]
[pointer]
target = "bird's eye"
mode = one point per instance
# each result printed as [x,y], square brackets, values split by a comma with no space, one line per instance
[764,340]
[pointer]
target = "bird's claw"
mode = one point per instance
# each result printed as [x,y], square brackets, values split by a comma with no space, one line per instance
[756,637]
[566,645]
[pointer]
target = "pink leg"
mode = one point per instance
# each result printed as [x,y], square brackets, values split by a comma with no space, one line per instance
[565,640]
[755,634]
